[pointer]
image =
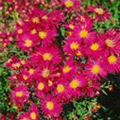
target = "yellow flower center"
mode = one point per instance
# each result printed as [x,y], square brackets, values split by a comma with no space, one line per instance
[28,43]
[50,105]
[74,84]
[20,31]
[25,119]
[50,83]
[69,33]
[16,65]
[78,53]
[45,73]
[94,47]
[31,71]
[99,11]
[110,43]
[66,69]
[89,82]
[47,56]
[25,77]
[42,34]
[96,69]
[19,94]
[60,88]
[23,62]
[35,20]
[33,31]
[33,115]
[10,38]
[45,17]
[83,33]
[112,59]
[69,3]
[74,46]
[41,86]
[71,26]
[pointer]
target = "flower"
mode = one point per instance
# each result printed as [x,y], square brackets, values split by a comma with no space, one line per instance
[24,116]
[75,84]
[69,68]
[20,94]
[60,90]
[83,32]
[27,41]
[95,69]
[47,70]
[41,88]
[94,49]
[110,42]
[51,107]
[47,53]
[71,5]
[33,113]
[101,13]
[112,63]
[73,47]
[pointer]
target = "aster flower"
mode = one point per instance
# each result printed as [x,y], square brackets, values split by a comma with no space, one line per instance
[51,107]
[41,88]
[6,38]
[75,83]
[27,41]
[47,70]
[55,17]
[71,5]
[84,32]
[60,91]
[112,63]
[47,35]
[70,25]
[33,113]
[94,49]
[69,68]
[47,53]
[95,69]
[24,116]
[13,63]
[20,94]
[72,47]
[101,13]
[110,42]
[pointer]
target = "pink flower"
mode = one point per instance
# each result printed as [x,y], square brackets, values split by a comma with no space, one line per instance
[51,107]
[75,84]
[71,5]
[33,113]
[84,32]
[41,88]
[69,68]
[95,69]
[47,70]
[47,53]
[24,116]
[20,94]
[72,47]
[112,63]
[101,13]
[61,89]
[110,42]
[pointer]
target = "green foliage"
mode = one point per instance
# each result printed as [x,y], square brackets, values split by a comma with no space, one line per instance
[4,89]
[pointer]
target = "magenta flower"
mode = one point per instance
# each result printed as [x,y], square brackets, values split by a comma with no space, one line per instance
[20,94]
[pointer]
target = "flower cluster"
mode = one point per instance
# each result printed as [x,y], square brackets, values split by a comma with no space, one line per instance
[60,68]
